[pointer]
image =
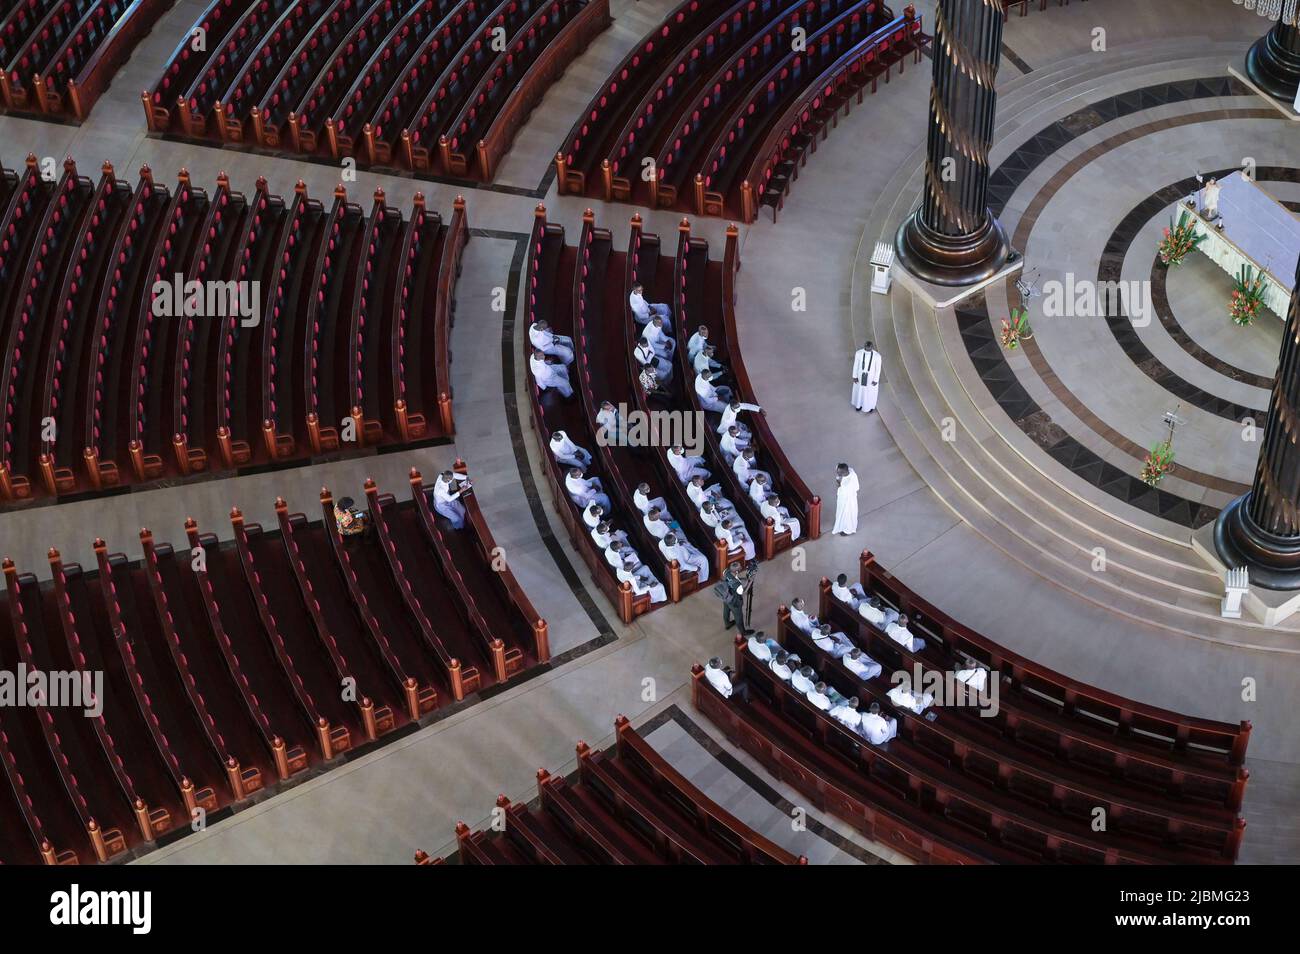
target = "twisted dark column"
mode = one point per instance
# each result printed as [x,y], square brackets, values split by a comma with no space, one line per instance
[953,239]
[1273,63]
[1261,530]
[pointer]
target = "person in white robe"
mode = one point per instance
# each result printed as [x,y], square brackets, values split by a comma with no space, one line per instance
[851,596]
[592,515]
[780,665]
[1210,199]
[860,664]
[905,697]
[976,678]
[712,398]
[846,500]
[745,467]
[781,518]
[735,537]
[819,698]
[604,534]
[800,618]
[568,453]
[686,467]
[701,493]
[732,444]
[697,342]
[547,374]
[718,677]
[687,555]
[731,414]
[899,633]
[876,728]
[643,311]
[847,714]
[446,496]
[867,364]
[619,555]
[643,581]
[654,336]
[585,490]
[759,489]
[607,422]
[704,361]
[654,522]
[548,342]
[709,514]
[835,643]
[644,502]
[646,357]
[761,647]
[803,679]
[882,617]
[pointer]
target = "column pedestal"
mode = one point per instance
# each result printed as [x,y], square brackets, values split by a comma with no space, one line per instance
[1273,63]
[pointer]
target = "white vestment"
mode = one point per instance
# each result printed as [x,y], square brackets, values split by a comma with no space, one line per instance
[688,557]
[866,364]
[549,375]
[718,680]
[446,500]
[846,504]
[548,342]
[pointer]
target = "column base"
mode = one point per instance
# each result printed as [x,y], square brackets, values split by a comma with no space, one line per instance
[952,260]
[1273,67]
[1273,561]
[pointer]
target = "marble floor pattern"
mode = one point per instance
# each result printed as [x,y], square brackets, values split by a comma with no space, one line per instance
[409,794]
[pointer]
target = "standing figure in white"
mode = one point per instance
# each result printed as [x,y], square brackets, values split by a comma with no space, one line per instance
[866,378]
[846,500]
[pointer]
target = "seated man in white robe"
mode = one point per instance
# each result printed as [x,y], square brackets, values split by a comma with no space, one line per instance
[643,581]
[819,698]
[851,596]
[686,467]
[541,337]
[803,679]
[446,496]
[705,361]
[701,493]
[604,534]
[592,515]
[905,697]
[800,617]
[882,617]
[877,728]
[735,536]
[837,644]
[548,374]
[780,516]
[585,490]
[732,444]
[847,713]
[730,417]
[745,467]
[898,632]
[568,453]
[760,488]
[712,398]
[619,554]
[697,342]
[644,502]
[656,524]
[974,676]
[709,514]
[780,665]
[643,311]
[607,421]
[761,647]
[718,677]
[860,664]
[688,557]
[654,335]
[647,358]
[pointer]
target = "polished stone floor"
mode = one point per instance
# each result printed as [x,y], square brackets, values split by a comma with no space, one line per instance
[922,513]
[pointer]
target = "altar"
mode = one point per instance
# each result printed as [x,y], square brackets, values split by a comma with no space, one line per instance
[1251,228]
